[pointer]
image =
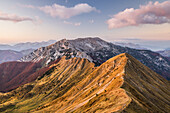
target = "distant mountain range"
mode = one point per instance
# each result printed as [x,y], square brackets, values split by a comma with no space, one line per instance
[22,49]
[11,55]
[121,84]
[154,45]
[98,51]
[26,45]
[165,53]
[130,45]
[15,52]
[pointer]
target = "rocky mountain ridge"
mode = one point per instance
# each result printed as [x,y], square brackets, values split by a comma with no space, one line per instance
[98,51]
[121,84]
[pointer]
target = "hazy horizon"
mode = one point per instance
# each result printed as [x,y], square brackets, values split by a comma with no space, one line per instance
[154,45]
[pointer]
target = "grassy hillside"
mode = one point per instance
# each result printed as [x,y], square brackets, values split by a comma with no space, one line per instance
[121,84]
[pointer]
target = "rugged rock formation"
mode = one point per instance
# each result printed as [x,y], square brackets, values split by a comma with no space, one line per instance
[98,51]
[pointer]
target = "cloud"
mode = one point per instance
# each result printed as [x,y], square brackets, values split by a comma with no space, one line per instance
[63,12]
[152,13]
[14,18]
[70,23]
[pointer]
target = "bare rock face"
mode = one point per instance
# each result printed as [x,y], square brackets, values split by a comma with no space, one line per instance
[55,51]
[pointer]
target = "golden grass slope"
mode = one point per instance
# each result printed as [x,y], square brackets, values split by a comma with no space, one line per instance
[121,84]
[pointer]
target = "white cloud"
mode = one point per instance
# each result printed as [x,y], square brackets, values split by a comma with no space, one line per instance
[63,12]
[152,13]
[70,23]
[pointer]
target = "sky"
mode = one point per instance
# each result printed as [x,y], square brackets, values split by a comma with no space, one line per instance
[42,20]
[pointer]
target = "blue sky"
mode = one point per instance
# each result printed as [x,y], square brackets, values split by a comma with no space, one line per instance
[35,23]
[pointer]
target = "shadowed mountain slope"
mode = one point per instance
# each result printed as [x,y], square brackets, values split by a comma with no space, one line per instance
[14,74]
[148,90]
[121,84]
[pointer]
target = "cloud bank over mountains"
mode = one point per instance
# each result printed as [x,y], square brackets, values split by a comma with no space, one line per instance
[152,13]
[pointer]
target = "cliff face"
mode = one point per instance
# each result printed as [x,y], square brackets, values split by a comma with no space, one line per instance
[121,84]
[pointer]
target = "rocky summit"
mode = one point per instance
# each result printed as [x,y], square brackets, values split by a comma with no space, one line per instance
[98,51]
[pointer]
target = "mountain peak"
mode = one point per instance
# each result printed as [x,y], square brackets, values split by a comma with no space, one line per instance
[98,51]
[63,40]
[121,84]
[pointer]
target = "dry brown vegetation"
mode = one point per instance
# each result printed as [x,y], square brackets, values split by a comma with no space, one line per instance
[121,84]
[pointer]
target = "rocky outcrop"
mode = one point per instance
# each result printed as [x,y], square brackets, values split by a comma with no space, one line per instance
[98,51]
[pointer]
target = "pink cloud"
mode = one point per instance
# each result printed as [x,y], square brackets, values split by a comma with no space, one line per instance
[152,13]
[63,12]
[15,18]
